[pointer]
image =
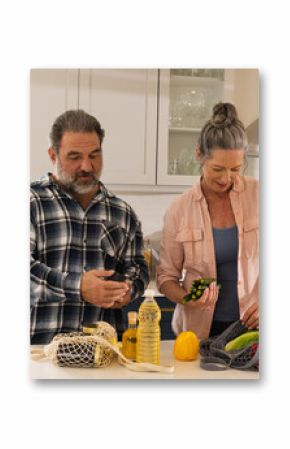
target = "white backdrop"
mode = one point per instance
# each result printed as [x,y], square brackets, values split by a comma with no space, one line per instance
[144,34]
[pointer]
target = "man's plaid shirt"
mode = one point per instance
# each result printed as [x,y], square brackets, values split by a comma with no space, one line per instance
[67,240]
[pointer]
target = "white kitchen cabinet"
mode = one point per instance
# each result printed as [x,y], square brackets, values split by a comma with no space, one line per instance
[52,92]
[187,97]
[125,103]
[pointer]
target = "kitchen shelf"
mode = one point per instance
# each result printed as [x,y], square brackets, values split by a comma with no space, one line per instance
[184,130]
[253,155]
[199,81]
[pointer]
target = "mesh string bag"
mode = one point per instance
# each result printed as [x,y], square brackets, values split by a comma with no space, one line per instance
[83,349]
[80,351]
[95,347]
[214,357]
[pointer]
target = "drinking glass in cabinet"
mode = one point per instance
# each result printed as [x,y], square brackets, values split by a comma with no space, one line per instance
[203,73]
[184,164]
[192,94]
[192,97]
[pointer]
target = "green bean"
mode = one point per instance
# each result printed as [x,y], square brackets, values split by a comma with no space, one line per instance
[197,288]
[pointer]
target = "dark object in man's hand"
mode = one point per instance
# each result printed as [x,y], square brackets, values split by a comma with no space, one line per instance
[116,277]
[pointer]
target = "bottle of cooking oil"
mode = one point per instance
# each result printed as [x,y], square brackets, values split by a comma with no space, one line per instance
[148,331]
[129,338]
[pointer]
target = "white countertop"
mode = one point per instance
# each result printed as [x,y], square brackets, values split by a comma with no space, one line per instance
[44,369]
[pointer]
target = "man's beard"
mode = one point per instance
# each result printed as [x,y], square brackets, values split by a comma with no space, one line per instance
[71,183]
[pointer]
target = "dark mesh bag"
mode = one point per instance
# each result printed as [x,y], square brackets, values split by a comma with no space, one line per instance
[214,357]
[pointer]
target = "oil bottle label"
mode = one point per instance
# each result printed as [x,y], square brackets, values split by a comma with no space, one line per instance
[149,316]
[132,339]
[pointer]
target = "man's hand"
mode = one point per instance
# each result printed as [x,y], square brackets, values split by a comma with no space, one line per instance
[100,292]
[126,298]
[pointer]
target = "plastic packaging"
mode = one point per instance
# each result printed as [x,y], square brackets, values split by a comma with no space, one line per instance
[148,331]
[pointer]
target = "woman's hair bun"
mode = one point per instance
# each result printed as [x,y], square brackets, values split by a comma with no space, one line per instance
[223,130]
[224,114]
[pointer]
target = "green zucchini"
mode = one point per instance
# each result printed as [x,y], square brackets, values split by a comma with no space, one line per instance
[242,341]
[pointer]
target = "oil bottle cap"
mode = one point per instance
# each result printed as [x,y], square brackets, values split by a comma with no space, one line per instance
[149,293]
[132,317]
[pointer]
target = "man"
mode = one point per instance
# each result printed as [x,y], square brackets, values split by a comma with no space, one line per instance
[81,234]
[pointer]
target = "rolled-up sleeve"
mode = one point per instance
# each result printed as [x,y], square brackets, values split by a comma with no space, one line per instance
[47,284]
[171,251]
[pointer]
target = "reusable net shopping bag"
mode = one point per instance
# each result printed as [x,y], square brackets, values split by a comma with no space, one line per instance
[214,357]
[95,350]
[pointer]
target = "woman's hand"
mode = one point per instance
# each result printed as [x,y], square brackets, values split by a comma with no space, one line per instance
[251,317]
[208,298]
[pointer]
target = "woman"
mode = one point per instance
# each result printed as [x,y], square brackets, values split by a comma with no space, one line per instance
[212,231]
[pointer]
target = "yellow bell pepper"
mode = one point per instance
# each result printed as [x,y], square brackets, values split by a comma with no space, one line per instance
[186,346]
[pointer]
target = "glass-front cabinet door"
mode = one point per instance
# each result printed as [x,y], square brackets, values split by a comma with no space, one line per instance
[186,99]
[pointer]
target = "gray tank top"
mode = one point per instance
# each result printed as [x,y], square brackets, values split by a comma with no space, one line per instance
[226,245]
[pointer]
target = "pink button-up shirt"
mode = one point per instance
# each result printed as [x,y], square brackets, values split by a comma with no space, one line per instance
[187,244]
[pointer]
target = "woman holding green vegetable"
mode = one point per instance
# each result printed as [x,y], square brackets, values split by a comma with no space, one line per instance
[211,232]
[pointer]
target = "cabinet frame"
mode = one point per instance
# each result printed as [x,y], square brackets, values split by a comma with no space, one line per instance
[141,169]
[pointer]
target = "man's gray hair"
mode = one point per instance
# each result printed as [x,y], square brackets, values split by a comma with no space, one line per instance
[74,121]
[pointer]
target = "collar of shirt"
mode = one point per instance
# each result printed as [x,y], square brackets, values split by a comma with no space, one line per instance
[48,181]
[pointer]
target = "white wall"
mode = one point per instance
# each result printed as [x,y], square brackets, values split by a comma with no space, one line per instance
[150,209]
